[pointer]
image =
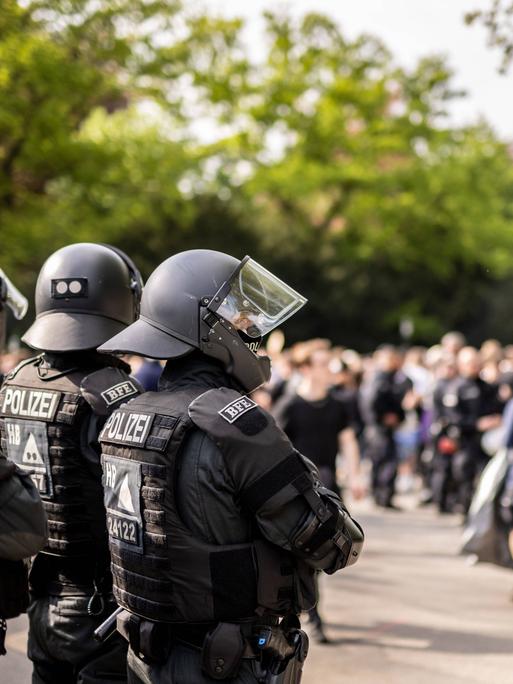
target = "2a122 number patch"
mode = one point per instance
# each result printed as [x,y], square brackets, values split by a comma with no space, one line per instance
[122,528]
[122,493]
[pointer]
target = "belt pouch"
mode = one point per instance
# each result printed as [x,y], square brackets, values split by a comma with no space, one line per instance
[222,651]
[154,641]
[149,640]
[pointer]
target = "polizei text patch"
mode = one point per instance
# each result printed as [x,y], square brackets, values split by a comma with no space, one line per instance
[29,403]
[126,427]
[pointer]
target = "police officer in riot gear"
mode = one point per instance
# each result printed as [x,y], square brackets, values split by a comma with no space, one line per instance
[22,534]
[52,408]
[22,518]
[216,523]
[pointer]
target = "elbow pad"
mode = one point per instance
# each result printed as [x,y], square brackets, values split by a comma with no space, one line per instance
[330,539]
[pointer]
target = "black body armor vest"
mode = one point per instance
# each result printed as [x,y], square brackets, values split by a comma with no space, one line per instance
[161,571]
[43,413]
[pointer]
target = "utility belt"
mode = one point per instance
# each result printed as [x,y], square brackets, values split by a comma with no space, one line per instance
[55,575]
[223,645]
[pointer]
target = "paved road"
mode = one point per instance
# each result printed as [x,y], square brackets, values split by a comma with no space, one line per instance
[414,612]
[410,612]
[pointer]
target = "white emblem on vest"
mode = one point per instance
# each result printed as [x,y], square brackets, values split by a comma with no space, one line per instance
[31,454]
[125,497]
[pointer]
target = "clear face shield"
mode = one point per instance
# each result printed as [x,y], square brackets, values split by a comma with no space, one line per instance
[9,294]
[255,302]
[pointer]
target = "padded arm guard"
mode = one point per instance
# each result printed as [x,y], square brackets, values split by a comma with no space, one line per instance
[329,538]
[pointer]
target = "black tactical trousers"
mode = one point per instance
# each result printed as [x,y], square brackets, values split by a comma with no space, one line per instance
[381,450]
[443,483]
[467,464]
[183,666]
[62,648]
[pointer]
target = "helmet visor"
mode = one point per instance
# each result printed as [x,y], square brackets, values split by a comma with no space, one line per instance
[257,301]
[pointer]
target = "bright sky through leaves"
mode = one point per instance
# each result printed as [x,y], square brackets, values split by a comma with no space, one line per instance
[412,29]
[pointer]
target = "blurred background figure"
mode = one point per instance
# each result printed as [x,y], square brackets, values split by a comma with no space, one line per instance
[478,409]
[453,342]
[467,407]
[146,371]
[491,356]
[444,431]
[381,403]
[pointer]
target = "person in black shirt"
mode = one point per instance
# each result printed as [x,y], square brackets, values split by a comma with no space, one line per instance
[318,424]
[345,390]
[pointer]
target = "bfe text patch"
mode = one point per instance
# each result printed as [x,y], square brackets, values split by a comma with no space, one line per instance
[23,402]
[127,427]
[118,392]
[236,408]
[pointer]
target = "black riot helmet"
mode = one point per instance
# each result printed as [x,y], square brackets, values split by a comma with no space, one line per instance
[201,299]
[85,294]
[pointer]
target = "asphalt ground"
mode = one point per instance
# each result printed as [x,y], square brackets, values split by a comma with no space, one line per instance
[411,611]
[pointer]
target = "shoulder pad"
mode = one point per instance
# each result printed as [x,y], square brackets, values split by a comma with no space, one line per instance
[106,389]
[224,407]
[21,365]
[223,403]
[259,457]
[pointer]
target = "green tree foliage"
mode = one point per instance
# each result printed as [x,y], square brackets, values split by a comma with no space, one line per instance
[322,158]
[498,21]
[93,124]
[374,201]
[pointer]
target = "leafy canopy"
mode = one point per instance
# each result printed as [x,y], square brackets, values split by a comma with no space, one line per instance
[144,124]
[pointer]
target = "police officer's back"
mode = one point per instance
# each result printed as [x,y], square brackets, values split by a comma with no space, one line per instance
[22,534]
[22,517]
[52,408]
[216,524]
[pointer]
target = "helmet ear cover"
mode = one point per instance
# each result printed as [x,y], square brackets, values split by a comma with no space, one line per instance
[253,343]
[136,281]
[220,340]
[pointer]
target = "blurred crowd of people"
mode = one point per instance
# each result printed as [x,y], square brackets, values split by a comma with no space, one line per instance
[436,412]
[433,412]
